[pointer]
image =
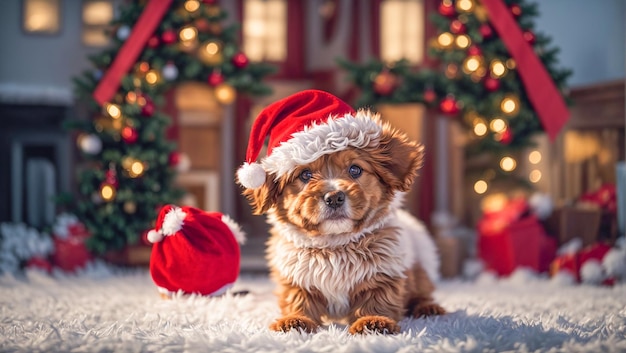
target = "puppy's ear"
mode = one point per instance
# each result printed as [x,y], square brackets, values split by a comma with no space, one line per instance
[399,159]
[264,197]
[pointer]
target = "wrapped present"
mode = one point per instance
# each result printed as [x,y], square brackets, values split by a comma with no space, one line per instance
[70,252]
[511,238]
[571,222]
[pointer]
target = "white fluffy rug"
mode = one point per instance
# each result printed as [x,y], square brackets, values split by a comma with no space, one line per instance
[106,310]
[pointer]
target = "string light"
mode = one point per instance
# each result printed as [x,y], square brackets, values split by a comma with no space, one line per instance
[497,125]
[113,110]
[465,5]
[210,53]
[480,187]
[192,5]
[534,157]
[188,34]
[152,77]
[480,128]
[445,39]
[534,176]
[225,93]
[463,41]
[107,192]
[471,64]
[510,105]
[508,164]
[497,68]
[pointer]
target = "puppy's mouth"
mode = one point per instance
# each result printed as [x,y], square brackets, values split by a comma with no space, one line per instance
[335,222]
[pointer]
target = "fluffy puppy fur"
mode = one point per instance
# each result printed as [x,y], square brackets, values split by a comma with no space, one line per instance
[340,248]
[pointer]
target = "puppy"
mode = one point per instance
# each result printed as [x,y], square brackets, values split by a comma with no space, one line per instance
[340,248]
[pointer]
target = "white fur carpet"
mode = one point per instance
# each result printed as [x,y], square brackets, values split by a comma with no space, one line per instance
[109,310]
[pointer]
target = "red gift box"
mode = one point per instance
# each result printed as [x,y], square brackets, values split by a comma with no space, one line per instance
[573,262]
[70,253]
[511,238]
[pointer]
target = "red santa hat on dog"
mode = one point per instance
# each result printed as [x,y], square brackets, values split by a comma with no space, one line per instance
[301,128]
[194,251]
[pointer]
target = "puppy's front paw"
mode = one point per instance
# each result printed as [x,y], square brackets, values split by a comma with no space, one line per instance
[297,322]
[428,309]
[373,324]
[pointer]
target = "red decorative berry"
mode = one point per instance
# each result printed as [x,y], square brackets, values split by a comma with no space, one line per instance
[202,24]
[430,95]
[129,134]
[491,84]
[529,37]
[148,109]
[474,50]
[240,60]
[446,10]
[215,78]
[168,37]
[449,106]
[516,10]
[385,83]
[174,158]
[457,27]
[485,31]
[154,42]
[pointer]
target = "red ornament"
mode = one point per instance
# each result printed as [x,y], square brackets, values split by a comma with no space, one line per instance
[516,10]
[474,50]
[203,25]
[485,31]
[491,84]
[529,37]
[174,158]
[449,106]
[215,78]
[154,42]
[457,27]
[385,83]
[110,177]
[129,134]
[148,109]
[429,95]
[168,37]
[446,9]
[506,137]
[240,60]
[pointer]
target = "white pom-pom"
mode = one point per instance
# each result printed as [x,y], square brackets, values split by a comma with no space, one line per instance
[173,221]
[154,236]
[591,272]
[563,278]
[541,204]
[239,234]
[251,175]
[571,247]
[614,263]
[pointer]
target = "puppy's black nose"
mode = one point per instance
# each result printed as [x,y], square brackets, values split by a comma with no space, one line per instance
[334,199]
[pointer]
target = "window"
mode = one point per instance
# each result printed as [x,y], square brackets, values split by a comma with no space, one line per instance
[265,30]
[42,16]
[97,14]
[402,30]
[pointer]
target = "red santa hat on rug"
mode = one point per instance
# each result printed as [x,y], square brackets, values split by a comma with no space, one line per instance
[194,251]
[301,128]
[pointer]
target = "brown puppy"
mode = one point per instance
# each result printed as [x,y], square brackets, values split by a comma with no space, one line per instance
[340,248]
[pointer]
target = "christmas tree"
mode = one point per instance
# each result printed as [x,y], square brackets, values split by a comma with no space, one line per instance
[477,81]
[129,165]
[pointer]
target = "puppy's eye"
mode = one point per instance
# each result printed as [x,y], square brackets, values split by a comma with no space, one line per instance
[355,171]
[305,176]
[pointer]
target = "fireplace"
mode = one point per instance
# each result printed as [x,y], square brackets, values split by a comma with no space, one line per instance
[35,158]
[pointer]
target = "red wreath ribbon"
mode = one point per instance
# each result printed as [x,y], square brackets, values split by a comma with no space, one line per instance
[540,87]
[131,49]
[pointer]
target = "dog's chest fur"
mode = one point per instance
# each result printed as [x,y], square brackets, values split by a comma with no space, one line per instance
[336,271]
